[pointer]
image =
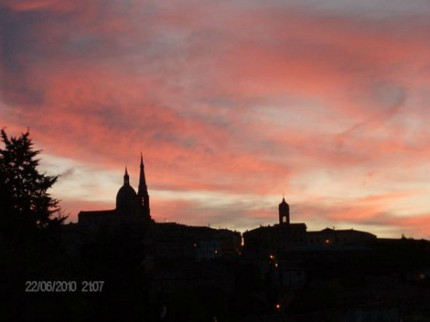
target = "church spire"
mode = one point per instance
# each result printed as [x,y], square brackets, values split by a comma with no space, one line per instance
[142,180]
[142,192]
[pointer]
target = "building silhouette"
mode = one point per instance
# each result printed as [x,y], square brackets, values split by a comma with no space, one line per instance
[329,236]
[268,239]
[284,213]
[131,207]
[283,272]
[287,236]
[131,219]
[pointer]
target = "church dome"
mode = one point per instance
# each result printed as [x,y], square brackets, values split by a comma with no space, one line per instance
[126,198]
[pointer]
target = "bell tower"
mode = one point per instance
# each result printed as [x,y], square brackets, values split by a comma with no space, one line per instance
[284,213]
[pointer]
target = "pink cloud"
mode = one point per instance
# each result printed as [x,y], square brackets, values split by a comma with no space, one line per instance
[224,97]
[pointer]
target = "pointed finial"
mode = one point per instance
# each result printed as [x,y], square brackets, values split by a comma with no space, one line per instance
[126,177]
[141,159]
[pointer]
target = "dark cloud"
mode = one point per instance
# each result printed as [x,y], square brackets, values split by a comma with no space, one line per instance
[67,174]
[15,40]
[389,97]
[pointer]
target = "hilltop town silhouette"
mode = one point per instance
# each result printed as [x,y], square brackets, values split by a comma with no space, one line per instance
[276,273]
[136,269]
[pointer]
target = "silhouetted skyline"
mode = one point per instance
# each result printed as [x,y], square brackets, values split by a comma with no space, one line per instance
[232,104]
[122,262]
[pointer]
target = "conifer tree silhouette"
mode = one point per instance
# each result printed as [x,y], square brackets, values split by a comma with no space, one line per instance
[24,199]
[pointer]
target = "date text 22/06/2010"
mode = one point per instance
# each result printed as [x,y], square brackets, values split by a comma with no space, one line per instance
[64,286]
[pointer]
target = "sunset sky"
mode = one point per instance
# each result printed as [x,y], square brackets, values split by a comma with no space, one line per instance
[233,103]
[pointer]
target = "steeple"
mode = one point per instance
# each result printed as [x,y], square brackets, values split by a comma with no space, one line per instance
[142,192]
[126,177]
[142,180]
